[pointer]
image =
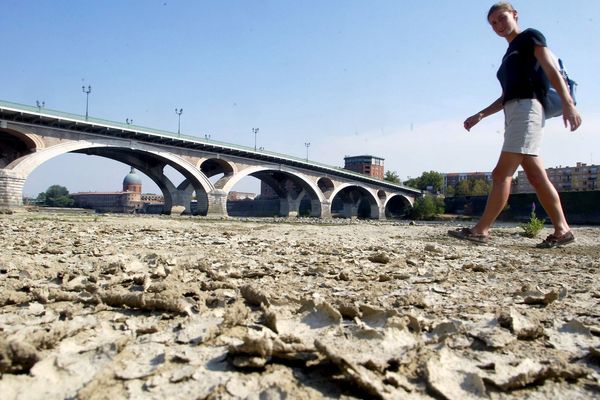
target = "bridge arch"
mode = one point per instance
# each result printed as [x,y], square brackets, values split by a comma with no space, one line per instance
[355,201]
[15,143]
[396,205]
[291,187]
[137,157]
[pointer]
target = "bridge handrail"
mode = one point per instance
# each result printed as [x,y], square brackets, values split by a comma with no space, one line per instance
[43,111]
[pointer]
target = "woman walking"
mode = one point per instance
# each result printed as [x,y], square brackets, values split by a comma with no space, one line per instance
[524,86]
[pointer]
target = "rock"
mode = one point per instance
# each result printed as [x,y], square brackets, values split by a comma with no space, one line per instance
[432,248]
[344,276]
[177,210]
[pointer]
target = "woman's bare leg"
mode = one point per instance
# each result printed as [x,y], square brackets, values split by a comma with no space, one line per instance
[546,193]
[501,184]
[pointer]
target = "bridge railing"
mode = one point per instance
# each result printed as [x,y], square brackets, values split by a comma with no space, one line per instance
[43,111]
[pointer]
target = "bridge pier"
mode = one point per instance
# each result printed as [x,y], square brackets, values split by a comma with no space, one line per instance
[182,198]
[217,203]
[382,213]
[11,189]
[350,210]
[323,206]
[289,207]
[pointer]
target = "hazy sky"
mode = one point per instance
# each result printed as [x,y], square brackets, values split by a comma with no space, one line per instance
[394,79]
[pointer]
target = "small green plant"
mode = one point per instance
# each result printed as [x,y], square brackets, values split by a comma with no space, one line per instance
[534,226]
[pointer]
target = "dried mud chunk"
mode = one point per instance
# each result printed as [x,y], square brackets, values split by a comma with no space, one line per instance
[164,301]
[370,381]
[537,297]
[379,258]
[17,356]
[454,377]
[257,351]
[522,326]
[9,297]
[254,296]
[199,330]
[139,361]
[348,310]
[509,377]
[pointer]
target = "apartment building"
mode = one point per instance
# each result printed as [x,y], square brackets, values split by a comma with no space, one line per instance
[581,177]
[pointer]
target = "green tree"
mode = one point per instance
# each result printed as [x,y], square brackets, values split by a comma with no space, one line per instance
[471,187]
[413,183]
[392,176]
[479,187]
[427,207]
[55,196]
[431,180]
[463,188]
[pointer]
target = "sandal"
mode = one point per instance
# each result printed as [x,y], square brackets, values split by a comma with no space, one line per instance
[467,234]
[555,241]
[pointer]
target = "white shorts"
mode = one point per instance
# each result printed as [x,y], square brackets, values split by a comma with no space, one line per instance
[523,126]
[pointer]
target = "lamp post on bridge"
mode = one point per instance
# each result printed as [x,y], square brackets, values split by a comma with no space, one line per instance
[178,112]
[87,99]
[255,131]
[307,144]
[40,105]
[129,121]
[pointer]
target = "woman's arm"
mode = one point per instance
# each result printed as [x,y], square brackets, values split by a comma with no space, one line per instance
[570,114]
[486,112]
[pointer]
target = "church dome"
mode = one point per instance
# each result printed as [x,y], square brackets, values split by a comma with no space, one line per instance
[132,179]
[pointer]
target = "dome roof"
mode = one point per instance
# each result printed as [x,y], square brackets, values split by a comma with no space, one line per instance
[132,178]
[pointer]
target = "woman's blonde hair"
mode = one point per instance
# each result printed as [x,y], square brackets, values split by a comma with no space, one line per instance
[501,5]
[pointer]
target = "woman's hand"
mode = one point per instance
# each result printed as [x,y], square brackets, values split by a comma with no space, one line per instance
[571,116]
[472,121]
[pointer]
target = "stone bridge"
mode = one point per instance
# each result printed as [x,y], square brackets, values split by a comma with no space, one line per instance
[30,136]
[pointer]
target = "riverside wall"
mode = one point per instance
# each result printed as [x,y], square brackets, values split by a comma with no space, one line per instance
[579,207]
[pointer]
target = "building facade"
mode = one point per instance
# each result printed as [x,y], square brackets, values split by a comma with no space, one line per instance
[368,165]
[581,177]
[129,200]
[454,178]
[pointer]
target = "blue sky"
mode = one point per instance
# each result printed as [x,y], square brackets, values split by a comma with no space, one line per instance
[395,79]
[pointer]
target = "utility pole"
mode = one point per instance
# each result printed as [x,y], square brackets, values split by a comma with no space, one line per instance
[255,131]
[307,144]
[178,112]
[87,99]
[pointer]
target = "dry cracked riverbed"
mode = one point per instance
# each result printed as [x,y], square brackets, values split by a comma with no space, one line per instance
[116,307]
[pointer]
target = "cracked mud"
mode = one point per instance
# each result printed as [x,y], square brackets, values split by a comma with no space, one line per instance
[105,307]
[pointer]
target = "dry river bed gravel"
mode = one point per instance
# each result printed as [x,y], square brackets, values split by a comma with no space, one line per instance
[110,307]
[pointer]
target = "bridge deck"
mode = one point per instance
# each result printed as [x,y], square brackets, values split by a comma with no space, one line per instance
[25,114]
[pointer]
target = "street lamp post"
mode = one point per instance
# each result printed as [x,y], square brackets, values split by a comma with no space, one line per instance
[178,112]
[307,144]
[255,131]
[129,121]
[87,99]
[40,105]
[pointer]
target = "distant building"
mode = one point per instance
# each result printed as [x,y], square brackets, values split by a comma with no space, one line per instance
[237,196]
[129,200]
[454,178]
[582,177]
[368,165]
